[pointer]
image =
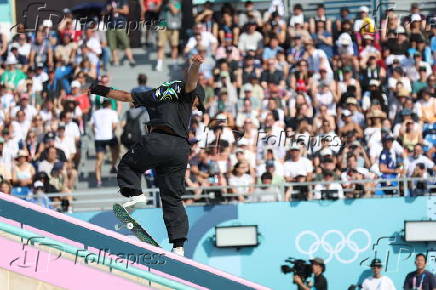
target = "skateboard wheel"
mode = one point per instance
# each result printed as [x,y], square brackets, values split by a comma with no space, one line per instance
[130,226]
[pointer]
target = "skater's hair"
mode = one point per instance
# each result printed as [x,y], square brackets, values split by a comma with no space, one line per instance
[142,79]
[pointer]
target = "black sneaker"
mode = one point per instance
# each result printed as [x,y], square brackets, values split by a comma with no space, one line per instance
[132,64]
[113,170]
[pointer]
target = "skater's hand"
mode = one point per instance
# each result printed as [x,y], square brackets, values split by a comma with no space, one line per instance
[197,59]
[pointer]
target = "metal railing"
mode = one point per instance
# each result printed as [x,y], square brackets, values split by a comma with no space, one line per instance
[294,191]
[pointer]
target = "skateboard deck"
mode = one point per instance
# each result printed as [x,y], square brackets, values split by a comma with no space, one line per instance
[123,215]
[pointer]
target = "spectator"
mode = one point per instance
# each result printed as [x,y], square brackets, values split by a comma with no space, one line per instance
[5,187]
[104,122]
[377,280]
[266,192]
[171,12]
[38,196]
[23,171]
[297,165]
[416,158]
[117,37]
[241,181]
[421,278]
[251,39]
[328,190]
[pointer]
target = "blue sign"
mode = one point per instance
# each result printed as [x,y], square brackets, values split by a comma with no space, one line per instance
[347,234]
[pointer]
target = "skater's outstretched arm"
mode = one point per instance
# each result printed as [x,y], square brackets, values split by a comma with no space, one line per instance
[111,93]
[192,74]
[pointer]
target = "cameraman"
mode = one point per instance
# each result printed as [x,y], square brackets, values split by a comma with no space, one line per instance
[319,281]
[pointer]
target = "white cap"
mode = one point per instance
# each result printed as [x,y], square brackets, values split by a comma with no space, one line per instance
[346,113]
[47,23]
[326,151]
[38,183]
[415,17]
[345,40]
[247,87]
[295,146]
[400,29]
[374,82]
[364,9]
[76,84]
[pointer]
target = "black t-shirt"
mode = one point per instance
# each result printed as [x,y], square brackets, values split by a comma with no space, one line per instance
[426,280]
[320,282]
[168,105]
[272,77]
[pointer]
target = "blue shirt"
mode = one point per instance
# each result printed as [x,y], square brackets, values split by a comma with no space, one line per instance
[390,159]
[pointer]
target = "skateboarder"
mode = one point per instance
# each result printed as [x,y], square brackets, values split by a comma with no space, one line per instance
[165,149]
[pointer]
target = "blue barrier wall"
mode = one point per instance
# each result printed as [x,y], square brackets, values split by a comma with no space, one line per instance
[5,11]
[347,234]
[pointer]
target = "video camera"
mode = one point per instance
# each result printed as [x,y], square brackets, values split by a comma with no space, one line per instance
[297,266]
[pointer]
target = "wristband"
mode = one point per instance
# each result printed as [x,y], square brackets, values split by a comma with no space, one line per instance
[100,90]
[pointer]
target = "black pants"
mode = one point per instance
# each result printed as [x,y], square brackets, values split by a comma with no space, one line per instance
[168,154]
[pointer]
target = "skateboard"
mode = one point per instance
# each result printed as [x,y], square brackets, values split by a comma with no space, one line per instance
[131,224]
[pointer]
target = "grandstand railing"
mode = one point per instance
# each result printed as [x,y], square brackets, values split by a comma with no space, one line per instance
[369,188]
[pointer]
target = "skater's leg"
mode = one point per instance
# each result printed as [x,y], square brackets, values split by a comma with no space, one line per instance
[129,176]
[171,183]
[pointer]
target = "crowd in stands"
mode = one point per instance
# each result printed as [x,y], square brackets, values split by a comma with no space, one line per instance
[318,99]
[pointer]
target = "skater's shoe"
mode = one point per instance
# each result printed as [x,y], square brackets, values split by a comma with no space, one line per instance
[137,201]
[178,251]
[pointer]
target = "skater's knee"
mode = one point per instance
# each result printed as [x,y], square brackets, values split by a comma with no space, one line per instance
[128,191]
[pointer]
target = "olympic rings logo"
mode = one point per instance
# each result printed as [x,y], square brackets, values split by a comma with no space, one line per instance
[334,251]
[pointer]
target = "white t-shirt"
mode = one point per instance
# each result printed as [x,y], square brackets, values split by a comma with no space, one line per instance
[294,168]
[333,186]
[207,39]
[244,179]
[72,130]
[67,145]
[103,120]
[29,110]
[382,283]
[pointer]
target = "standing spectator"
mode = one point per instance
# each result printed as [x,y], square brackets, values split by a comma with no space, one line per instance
[171,12]
[117,38]
[104,122]
[377,281]
[421,278]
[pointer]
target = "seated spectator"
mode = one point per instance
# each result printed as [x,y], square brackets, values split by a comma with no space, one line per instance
[23,171]
[418,157]
[266,193]
[426,106]
[37,196]
[296,165]
[46,165]
[48,142]
[241,181]
[328,190]
[62,142]
[250,39]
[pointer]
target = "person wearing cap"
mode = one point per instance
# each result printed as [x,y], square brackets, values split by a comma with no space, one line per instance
[389,161]
[364,24]
[38,196]
[249,14]
[319,280]
[377,281]
[326,189]
[23,171]
[165,149]
[297,15]
[296,164]
[421,278]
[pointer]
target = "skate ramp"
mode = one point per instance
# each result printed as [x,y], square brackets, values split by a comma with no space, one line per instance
[154,264]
